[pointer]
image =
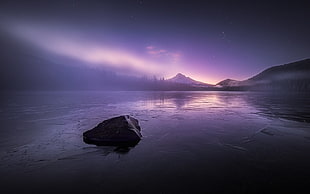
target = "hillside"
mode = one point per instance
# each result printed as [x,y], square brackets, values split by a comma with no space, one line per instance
[288,77]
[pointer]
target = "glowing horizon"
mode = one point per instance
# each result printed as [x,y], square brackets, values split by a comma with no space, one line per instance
[206,53]
[152,60]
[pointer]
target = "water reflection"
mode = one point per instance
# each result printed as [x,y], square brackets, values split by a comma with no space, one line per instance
[295,107]
[218,138]
[180,100]
[286,106]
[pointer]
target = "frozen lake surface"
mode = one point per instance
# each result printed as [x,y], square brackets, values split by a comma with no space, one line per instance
[193,142]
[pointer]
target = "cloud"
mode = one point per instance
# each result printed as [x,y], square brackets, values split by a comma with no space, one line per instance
[150,47]
[162,53]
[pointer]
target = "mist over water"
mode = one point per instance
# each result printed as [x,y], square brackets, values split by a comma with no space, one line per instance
[192,142]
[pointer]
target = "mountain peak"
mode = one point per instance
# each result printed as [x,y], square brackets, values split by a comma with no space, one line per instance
[180,75]
[183,79]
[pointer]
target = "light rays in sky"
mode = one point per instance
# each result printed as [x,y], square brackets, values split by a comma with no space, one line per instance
[157,62]
[150,60]
[208,42]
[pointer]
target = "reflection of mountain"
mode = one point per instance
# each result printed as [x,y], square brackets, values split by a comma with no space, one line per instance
[294,76]
[193,100]
[294,107]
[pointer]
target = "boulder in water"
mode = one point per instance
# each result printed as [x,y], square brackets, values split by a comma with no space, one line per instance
[118,131]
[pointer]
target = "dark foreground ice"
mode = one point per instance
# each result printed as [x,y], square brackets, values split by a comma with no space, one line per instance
[193,142]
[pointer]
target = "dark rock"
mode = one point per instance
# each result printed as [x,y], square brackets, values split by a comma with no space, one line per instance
[117,131]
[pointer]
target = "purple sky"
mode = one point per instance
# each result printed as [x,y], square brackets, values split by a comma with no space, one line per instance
[208,41]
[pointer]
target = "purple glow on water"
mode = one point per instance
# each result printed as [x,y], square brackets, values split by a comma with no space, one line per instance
[192,141]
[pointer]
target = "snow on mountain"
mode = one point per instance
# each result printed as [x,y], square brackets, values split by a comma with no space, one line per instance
[182,79]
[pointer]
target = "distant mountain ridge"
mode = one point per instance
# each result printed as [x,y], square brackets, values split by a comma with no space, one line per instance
[288,77]
[293,76]
[295,70]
